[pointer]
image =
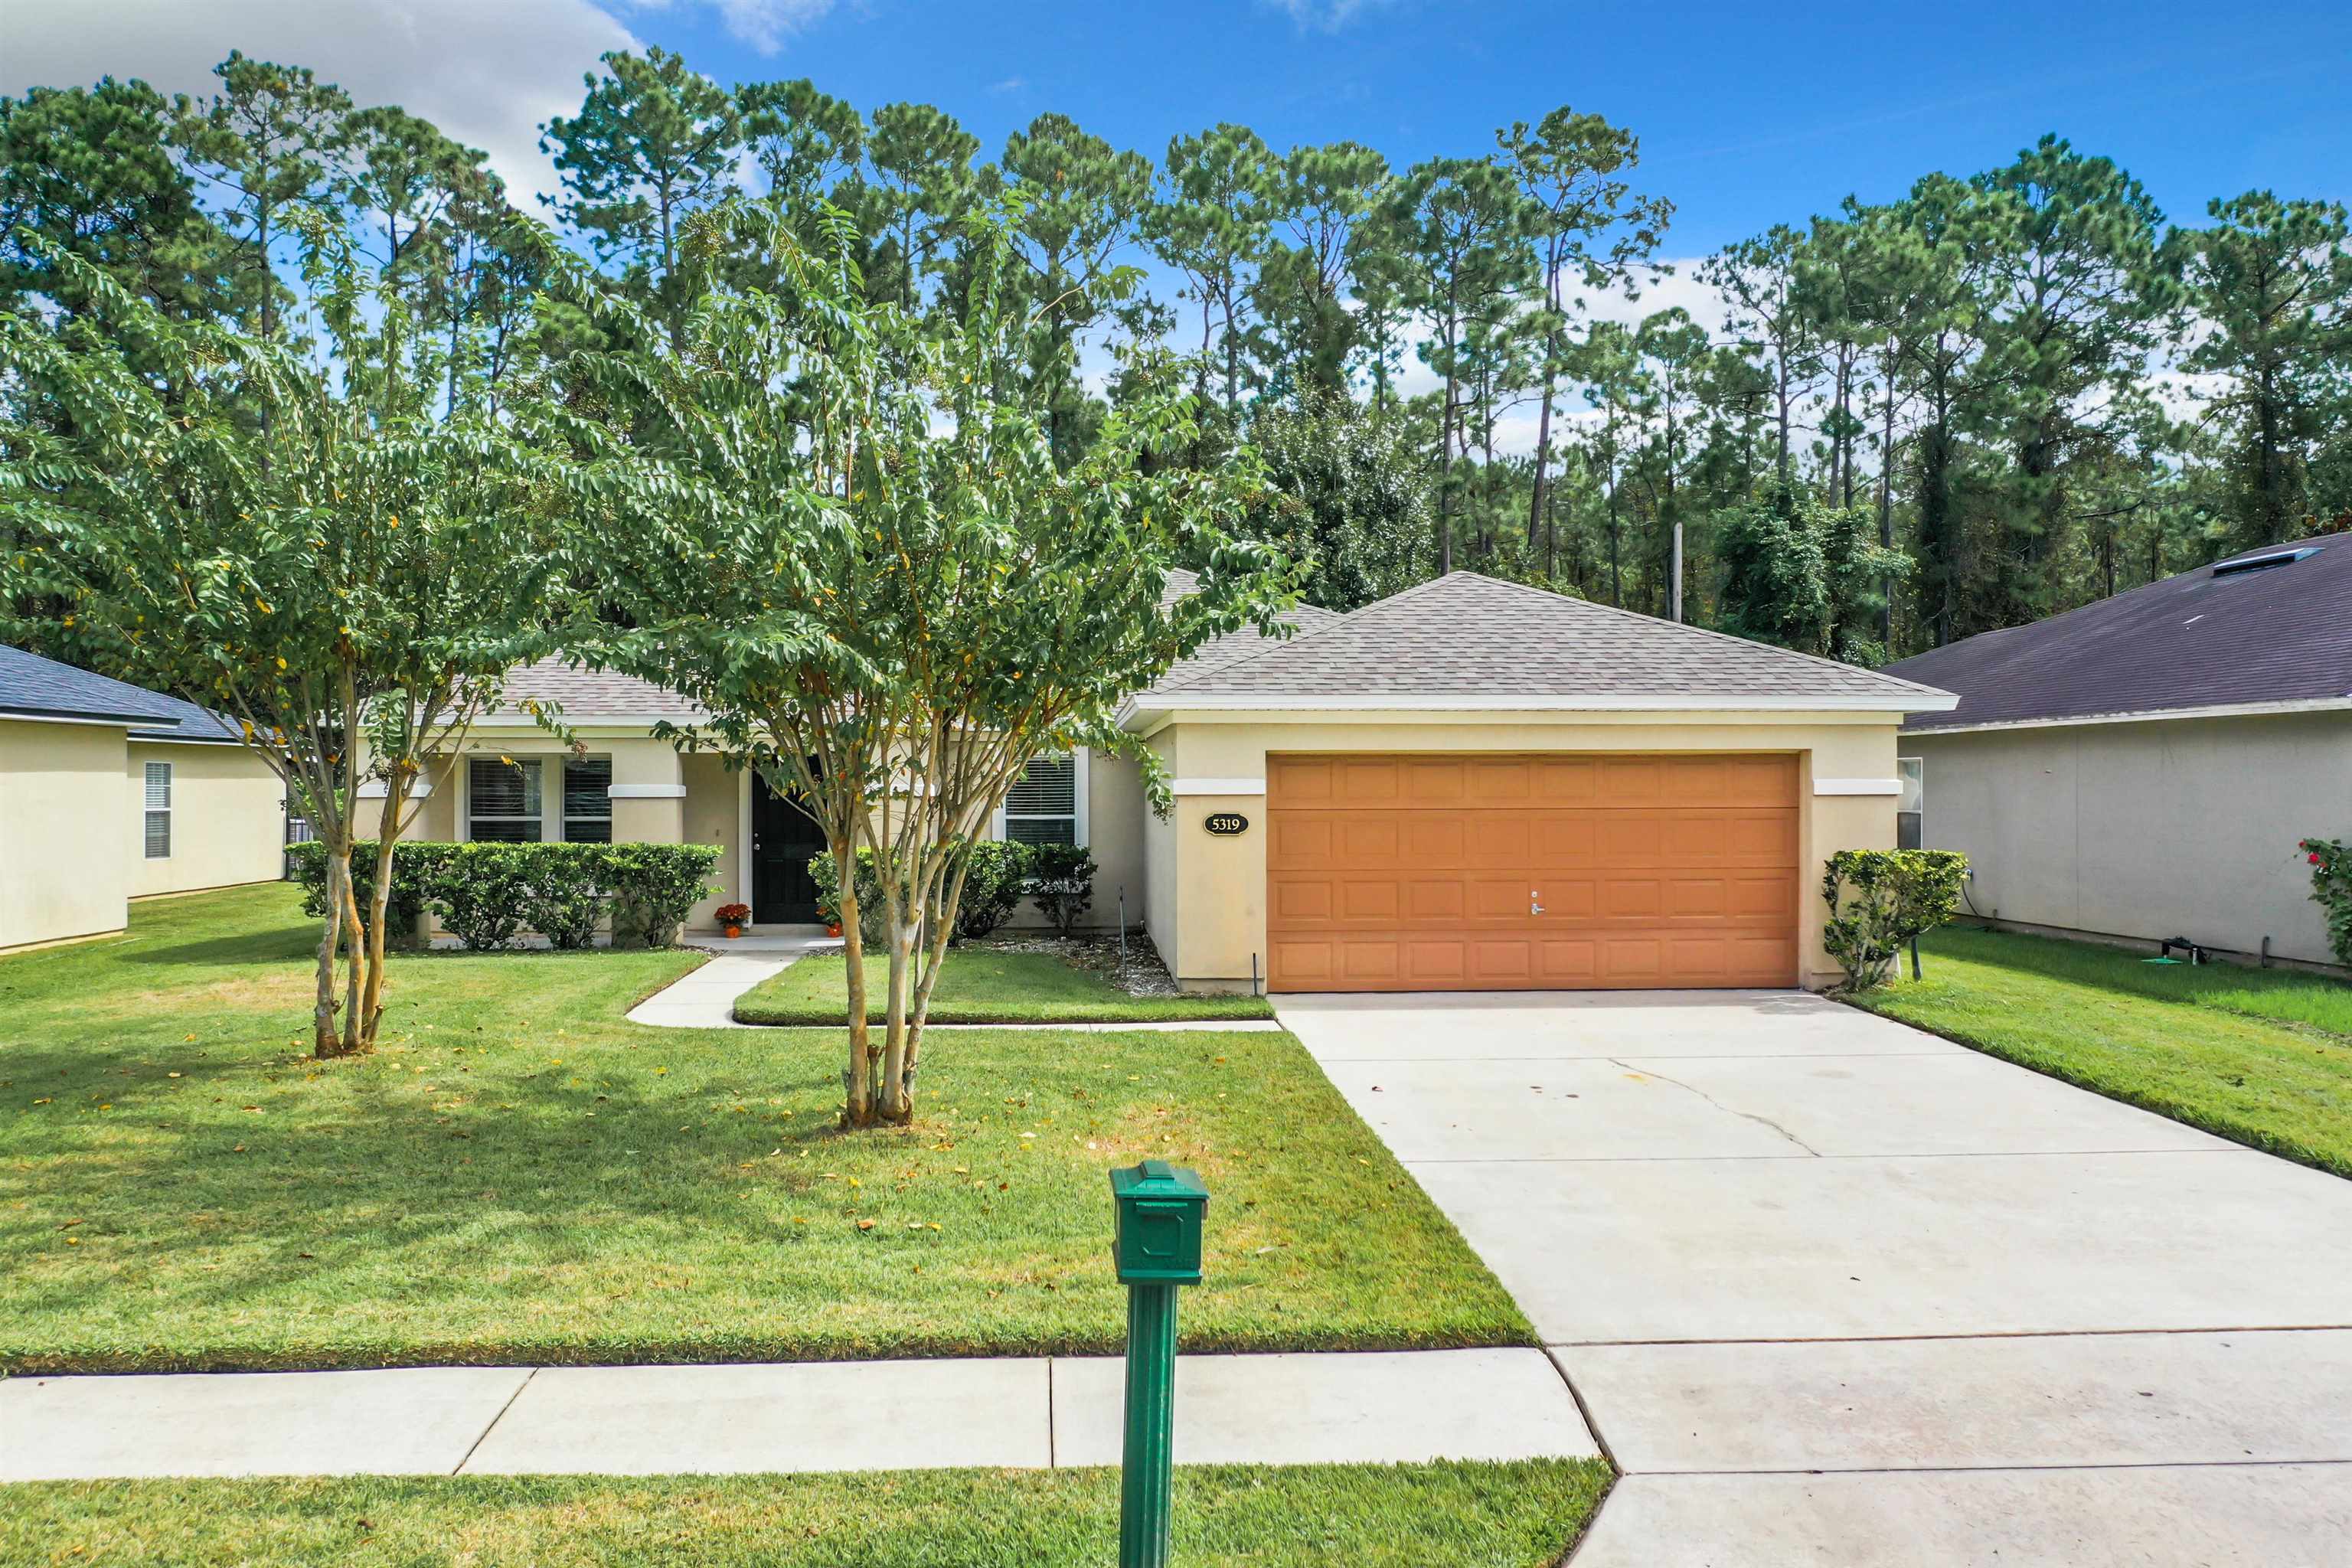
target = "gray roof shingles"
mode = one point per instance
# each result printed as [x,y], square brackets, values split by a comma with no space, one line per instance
[2280,634]
[43,688]
[589,694]
[1465,636]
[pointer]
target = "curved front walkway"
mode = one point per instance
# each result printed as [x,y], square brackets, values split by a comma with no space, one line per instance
[1835,1292]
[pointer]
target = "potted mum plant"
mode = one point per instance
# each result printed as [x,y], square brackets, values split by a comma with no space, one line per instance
[731,918]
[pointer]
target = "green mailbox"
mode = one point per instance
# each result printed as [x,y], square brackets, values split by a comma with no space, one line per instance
[1157,1239]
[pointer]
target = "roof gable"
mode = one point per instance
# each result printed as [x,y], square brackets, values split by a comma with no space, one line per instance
[37,688]
[1465,639]
[2279,634]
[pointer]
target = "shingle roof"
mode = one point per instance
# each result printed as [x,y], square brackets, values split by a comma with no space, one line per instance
[196,723]
[1218,652]
[591,694]
[1467,638]
[2277,634]
[43,688]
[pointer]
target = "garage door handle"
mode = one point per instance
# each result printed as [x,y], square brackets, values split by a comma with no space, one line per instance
[1534,902]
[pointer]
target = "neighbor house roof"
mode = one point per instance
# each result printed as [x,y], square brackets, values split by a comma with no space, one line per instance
[1467,641]
[197,724]
[32,686]
[2264,629]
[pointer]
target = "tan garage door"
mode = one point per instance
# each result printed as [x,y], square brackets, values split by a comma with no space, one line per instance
[1477,872]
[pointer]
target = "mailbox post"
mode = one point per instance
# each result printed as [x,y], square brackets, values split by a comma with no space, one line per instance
[1157,1249]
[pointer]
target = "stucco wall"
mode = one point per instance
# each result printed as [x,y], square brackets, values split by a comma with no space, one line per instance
[715,804]
[228,818]
[1218,909]
[67,831]
[2172,827]
[1115,816]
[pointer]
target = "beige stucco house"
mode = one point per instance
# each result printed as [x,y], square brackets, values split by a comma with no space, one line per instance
[1474,784]
[109,793]
[2143,768]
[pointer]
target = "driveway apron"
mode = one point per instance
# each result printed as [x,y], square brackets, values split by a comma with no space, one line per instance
[1833,1291]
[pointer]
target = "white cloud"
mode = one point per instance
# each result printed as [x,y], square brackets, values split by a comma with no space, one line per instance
[485,73]
[1329,16]
[762,23]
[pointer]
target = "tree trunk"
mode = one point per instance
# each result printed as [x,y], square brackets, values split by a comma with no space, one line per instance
[379,903]
[1887,509]
[325,1043]
[857,1082]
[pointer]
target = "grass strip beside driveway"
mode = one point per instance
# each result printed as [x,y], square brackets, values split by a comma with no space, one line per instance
[2177,1044]
[980,986]
[1522,1515]
[520,1176]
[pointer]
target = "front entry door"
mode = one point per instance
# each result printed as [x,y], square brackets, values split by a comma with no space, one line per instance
[784,839]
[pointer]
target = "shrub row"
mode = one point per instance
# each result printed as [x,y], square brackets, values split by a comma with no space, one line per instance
[486,895]
[1060,877]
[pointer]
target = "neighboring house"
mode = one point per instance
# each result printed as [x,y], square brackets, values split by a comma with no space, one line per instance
[109,793]
[2142,767]
[1472,785]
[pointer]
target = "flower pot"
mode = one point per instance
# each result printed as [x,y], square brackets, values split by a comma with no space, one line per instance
[734,930]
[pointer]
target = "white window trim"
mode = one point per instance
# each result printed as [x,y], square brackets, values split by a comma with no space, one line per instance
[1080,788]
[1920,764]
[551,794]
[164,811]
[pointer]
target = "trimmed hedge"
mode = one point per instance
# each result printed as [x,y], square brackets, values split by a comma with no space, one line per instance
[1880,899]
[488,895]
[998,877]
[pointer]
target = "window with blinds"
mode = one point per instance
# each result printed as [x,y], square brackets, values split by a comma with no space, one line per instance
[503,803]
[158,811]
[588,800]
[1042,806]
[1909,804]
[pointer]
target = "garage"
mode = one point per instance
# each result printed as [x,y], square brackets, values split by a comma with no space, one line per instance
[1435,872]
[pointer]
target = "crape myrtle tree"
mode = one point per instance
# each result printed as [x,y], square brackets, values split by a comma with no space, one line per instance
[841,529]
[310,549]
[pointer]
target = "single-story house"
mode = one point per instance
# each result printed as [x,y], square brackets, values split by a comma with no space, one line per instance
[110,792]
[2142,767]
[1472,785]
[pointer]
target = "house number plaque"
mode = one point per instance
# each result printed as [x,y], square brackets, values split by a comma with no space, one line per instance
[1225,824]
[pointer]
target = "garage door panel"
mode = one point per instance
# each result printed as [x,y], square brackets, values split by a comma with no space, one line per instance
[1405,873]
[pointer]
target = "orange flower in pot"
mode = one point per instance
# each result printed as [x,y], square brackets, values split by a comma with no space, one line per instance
[731,918]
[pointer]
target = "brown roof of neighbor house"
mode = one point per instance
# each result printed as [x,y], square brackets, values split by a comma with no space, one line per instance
[1468,640]
[2266,625]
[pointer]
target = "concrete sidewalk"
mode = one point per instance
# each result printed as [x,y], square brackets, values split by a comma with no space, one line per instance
[706,999]
[1371,1409]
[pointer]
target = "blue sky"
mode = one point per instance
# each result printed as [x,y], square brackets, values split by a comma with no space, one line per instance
[1747,115]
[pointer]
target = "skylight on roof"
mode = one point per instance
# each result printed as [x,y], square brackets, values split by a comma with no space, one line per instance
[2262,563]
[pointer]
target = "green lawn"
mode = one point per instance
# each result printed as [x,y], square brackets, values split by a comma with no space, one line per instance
[1523,1515]
[982,986]
[2182,1041]
[519,1175]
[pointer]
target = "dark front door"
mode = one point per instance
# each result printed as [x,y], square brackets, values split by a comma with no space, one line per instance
[784,839]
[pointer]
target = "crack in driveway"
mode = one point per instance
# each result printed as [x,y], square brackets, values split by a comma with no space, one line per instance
[1728,1110]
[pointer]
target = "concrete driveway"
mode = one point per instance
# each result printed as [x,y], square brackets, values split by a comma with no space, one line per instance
[1835,1292]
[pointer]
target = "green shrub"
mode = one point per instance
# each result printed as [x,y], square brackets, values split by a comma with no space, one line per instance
[414,866]
[870,912]
[483,893]
[2331,890]
[654,888]
[1062,880]
[1881,900]
[993,887]
[566,890]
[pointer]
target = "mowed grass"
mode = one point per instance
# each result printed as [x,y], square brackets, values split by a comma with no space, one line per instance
[979,985]
[1519,1515]
[519,1175]
[2177,1041]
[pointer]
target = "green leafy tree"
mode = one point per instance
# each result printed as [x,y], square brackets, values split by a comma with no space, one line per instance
[270,143]
[823,522]
[1348,494]
[1214,225]
[2270,283]
[652,142]
[921,181]
[1323,199]
[90,172]
[311,551]
[1803,574]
